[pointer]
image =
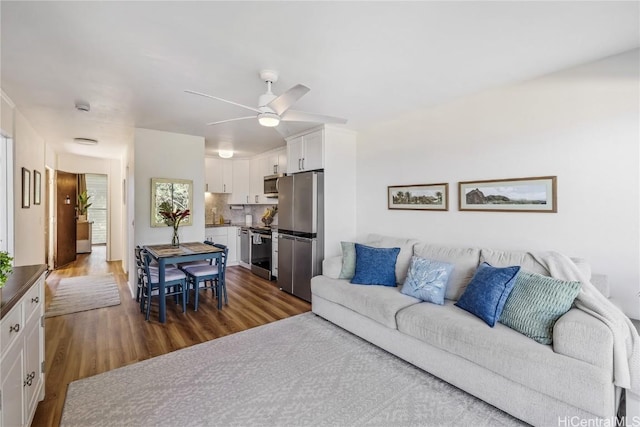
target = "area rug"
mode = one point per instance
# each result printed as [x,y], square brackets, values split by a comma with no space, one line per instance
[83,293]
[298,371]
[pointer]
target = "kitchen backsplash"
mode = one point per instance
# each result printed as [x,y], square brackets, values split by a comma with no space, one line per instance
[216,205]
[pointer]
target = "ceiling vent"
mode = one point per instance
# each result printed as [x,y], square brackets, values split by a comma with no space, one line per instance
[85,141]
[83,106]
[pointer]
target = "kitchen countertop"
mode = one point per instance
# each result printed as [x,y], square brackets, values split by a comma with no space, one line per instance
[240,224]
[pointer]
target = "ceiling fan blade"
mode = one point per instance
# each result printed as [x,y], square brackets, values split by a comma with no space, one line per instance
[283,102]
[301,116]
[231,120]
[223,100]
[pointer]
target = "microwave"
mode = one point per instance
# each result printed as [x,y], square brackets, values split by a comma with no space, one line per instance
[271,185]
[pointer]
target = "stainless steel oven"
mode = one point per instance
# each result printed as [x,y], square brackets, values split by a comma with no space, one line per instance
[271,184]
[261,252]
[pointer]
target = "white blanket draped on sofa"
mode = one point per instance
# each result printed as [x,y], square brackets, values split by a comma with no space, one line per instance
[626,342]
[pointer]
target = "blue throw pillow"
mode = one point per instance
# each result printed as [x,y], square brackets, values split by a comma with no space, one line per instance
[427,280]
[488,291]
[375,266]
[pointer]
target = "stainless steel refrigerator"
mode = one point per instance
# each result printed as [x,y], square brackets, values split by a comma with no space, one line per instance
[300,231]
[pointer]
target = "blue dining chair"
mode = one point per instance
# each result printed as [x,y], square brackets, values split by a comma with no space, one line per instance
[175,282]
[209,276]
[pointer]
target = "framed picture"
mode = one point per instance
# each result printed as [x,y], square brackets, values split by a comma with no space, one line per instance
[537,194]
[177,192]
[37,180]
[422,197]
[26,188]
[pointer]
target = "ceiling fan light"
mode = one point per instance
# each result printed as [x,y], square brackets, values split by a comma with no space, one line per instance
[225,154]
[268,119]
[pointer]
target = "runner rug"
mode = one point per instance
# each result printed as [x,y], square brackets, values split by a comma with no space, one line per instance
[298,371]
[83,293]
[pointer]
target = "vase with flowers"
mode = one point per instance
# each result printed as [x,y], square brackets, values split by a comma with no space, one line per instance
[173,218]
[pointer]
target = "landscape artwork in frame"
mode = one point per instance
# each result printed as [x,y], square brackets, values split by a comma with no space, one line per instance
[426,197]
[37,184]
[537,194]
[26,188]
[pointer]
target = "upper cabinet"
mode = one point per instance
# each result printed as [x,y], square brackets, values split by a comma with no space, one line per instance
[277,162]
[218,175]
[305,152]
[241,183]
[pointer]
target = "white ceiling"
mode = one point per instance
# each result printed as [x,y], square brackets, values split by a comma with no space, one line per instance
[364,61]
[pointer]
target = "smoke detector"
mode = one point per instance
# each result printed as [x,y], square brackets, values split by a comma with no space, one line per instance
[85,141]
[83,106]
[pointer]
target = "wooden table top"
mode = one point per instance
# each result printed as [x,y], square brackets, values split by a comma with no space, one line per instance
[191,248]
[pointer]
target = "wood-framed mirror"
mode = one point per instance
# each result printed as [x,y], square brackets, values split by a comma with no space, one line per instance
[177,192]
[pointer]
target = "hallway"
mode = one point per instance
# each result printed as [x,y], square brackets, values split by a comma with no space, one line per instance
[83,344]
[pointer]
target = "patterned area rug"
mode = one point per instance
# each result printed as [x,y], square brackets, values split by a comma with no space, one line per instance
[83,293]
[298,371]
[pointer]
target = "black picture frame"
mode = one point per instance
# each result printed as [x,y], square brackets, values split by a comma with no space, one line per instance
[37,187]
[26,188]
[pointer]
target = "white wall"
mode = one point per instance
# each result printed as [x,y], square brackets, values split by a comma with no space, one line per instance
[581,124]
[167,155]
[29,222]
[113,169]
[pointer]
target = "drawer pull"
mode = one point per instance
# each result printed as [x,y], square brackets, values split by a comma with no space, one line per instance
[35,300]
[14,328]
[29,380]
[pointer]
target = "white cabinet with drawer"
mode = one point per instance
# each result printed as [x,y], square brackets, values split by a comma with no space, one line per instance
[22,357]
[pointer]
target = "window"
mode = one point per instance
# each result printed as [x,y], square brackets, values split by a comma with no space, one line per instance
[97,212]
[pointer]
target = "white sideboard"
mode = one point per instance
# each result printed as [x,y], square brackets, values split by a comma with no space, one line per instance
[22,345]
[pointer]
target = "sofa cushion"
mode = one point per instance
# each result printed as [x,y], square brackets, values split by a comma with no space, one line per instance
[404,257]
[348,260]
[379,303]
[488,291]
[464,260]
[536,302]
[506,353]
[375,266]
[503,258]
[427,280]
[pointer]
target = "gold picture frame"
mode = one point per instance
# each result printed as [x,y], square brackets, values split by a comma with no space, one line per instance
[177,192]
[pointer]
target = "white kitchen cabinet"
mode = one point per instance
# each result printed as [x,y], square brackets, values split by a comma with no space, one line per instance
[257,174]
[232,244]
[277,161]
[227,236]
[306,152]
[22,358]
[218,175]
[216,235]
[241,183]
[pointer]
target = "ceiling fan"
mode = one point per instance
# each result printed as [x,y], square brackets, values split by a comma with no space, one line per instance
[273,109]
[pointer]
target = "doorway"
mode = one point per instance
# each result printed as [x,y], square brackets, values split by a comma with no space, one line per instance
[65,207]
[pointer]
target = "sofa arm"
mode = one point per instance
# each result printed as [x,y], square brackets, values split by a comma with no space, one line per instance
[332,266]
[579,335]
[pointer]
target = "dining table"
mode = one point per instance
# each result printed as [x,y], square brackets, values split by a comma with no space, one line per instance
[184,252]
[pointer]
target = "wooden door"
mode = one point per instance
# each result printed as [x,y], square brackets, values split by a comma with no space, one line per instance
[66,196]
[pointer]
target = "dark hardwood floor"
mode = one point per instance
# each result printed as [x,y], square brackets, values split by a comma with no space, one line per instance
[83,344]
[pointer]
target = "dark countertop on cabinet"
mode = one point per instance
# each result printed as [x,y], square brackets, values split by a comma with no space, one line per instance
[19,282]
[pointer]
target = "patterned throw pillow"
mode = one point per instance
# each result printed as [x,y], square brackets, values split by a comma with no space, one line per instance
[536,302]
[488,291]
[427,280]
[375,266]
[348,260]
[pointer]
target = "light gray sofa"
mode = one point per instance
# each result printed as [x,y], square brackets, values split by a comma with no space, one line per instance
[539,384]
